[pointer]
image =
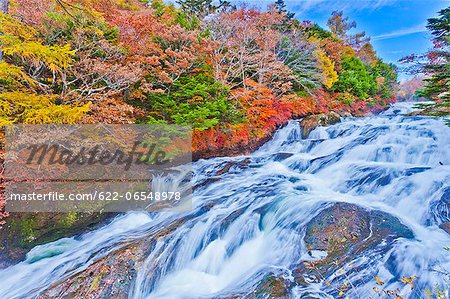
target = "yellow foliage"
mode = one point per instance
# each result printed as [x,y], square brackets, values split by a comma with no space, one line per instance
[348,51]
[380,81]
[29,108]
[409,280]
[13,27]
[88,7]
[329,75]
[127,4]
[13,76]
[19,102]
[378,280]
[20,39]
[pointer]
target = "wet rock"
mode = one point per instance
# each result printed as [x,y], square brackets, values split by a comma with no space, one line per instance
[346,114]
[281,156]
[430,111]
[111,277]
[348,228]
[346,231]
[446,227]
[241,164]
[416,113]
[309,123]
[206,182]
[225,169]
[24,231]
[338,234]
[272,286]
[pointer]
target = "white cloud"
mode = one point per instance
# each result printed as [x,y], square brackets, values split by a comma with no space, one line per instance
[397,51]
[301,6]
[400,32]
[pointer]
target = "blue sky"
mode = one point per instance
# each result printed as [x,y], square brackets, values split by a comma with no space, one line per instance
[397,27]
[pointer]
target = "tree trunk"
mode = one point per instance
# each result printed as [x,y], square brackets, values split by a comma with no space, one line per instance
[4,5]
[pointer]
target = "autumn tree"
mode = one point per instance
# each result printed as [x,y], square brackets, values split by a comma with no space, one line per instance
[408,88]
[177,82]
[100,69]
[241,72]
[201,8]
[328,74]
[250,45]
[246,40]
[27,72]
[358,40]
[437,85]
[4,6]
[367,54]
[340,25]
[312,30]
[300,56]
[281,7]
[336,50]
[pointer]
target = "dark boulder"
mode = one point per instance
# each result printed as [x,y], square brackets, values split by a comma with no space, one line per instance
[446,227]
[24,231]
[335,236]
[310,122]
[348,228]
[345,232]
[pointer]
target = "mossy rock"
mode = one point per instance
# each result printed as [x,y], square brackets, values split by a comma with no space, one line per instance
[24,231]
[110,277]
[445,227]
[272,286]
[345,227]
[311,122]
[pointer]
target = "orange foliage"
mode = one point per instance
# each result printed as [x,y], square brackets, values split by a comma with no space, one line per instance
[246,42]
[301,106]
[153,51]
[335,51]
[264,112]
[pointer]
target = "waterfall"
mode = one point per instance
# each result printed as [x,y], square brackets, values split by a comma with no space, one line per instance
[249,220]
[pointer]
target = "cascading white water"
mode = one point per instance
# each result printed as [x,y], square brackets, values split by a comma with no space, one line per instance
[257,213]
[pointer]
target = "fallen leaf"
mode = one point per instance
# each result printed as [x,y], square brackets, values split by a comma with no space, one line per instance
[379,281]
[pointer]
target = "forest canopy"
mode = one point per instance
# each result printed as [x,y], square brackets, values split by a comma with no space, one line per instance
[233,73]
[435,65]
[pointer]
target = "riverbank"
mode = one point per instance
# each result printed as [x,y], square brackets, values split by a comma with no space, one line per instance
[308,123]
[336,214]
[23,231]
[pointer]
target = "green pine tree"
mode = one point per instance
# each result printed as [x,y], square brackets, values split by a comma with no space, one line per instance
[201,8]
[438,85]
[280,6]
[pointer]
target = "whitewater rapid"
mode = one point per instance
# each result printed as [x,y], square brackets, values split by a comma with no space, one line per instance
[258,210]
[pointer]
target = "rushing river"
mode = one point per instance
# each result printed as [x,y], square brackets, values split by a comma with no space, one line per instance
[258,209]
